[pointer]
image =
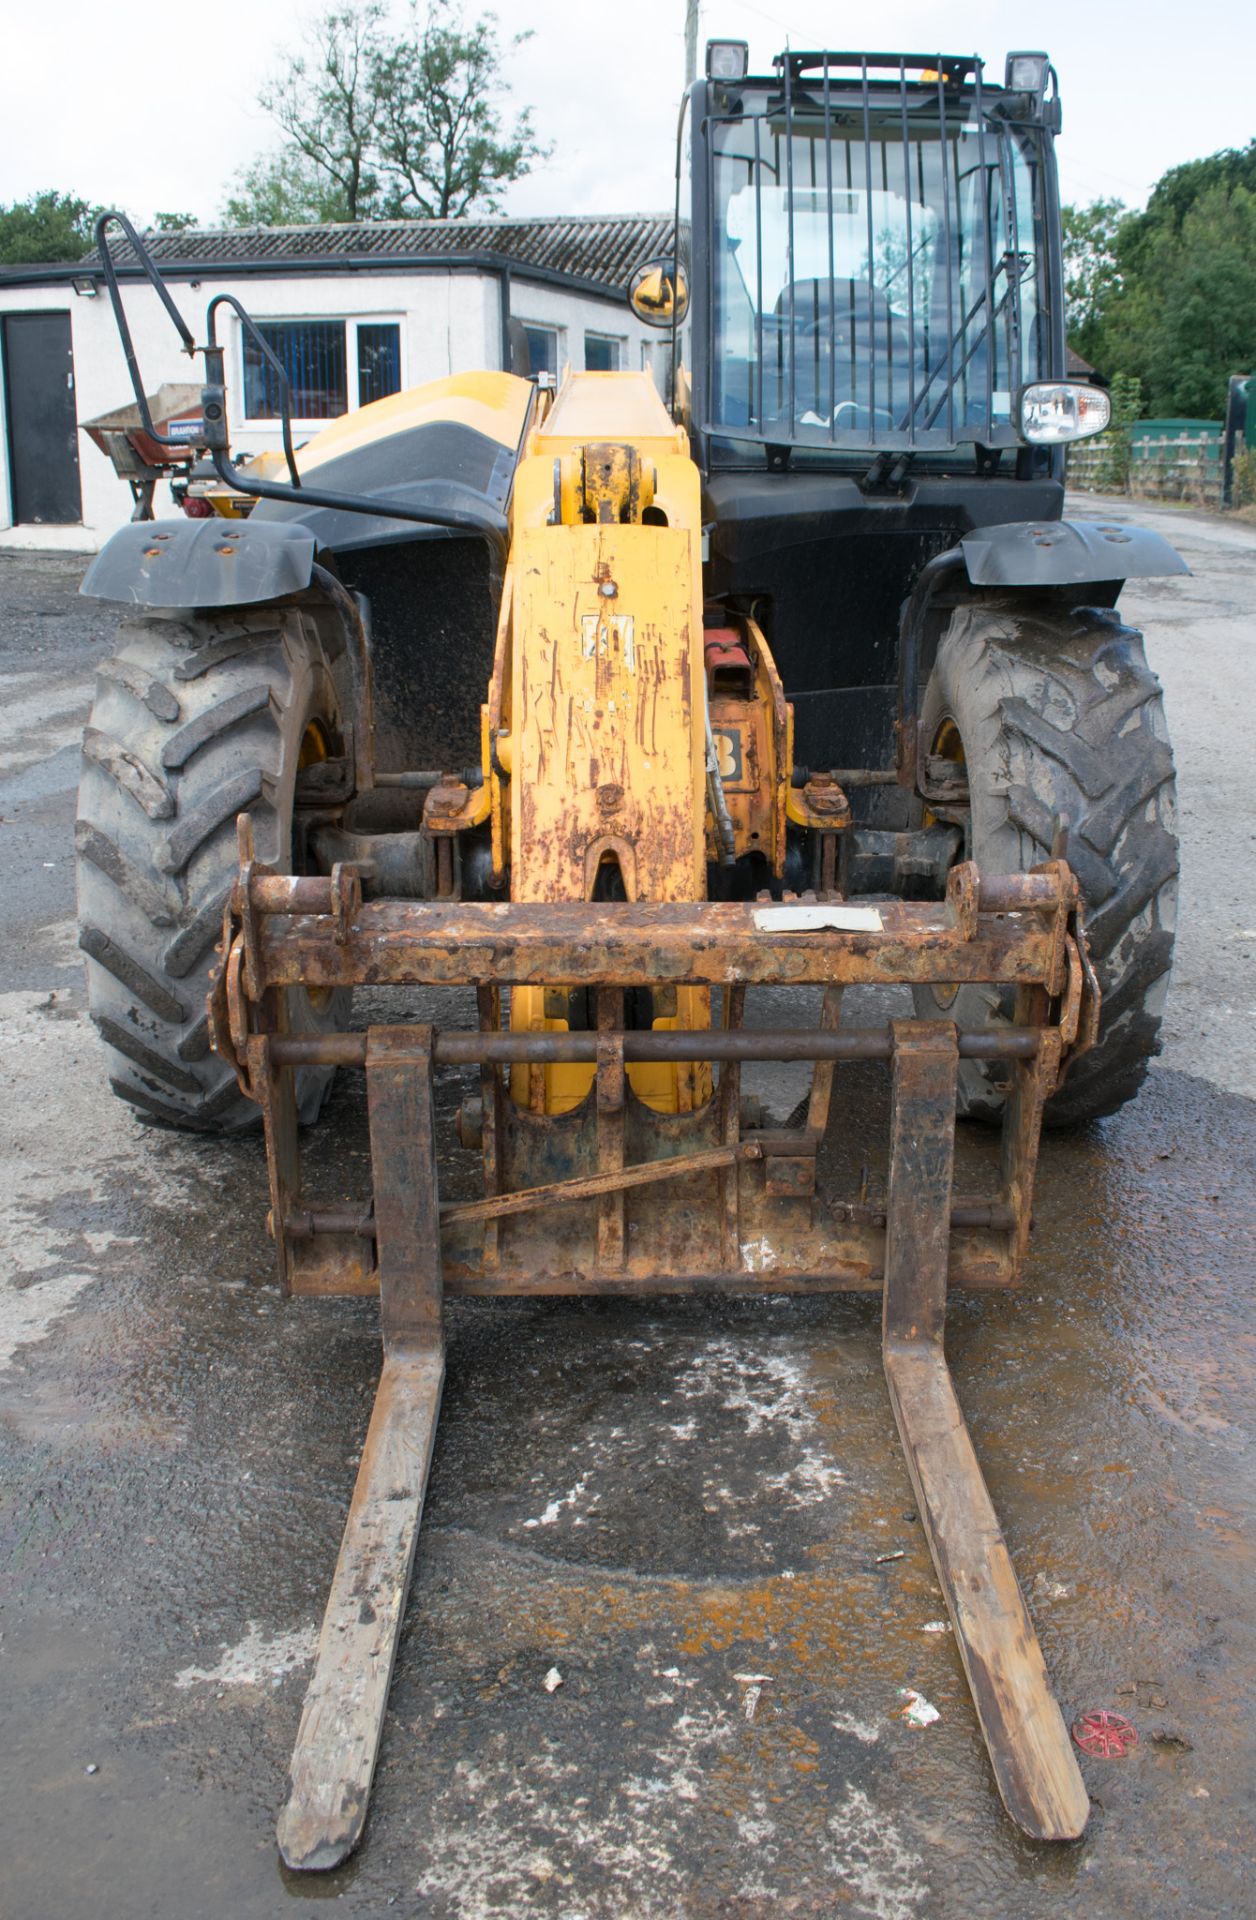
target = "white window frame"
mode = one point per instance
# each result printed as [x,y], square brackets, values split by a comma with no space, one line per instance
[619,341]
[654,363]
[350,321]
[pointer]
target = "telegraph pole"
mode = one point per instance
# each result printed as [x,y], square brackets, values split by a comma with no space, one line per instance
[691,41]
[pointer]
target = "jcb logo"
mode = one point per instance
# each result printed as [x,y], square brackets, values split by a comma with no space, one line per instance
[608,635]
[728,752]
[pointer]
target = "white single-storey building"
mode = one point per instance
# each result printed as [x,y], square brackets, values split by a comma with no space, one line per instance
[352,312]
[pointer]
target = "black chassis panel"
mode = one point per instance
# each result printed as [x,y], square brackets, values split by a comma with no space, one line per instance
[433,619]
[827,568]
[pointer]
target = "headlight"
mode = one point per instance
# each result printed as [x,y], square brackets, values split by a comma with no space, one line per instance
[1052,412]
[727,59]
[1027,73]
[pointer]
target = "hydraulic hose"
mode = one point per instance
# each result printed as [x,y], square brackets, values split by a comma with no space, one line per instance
[724,836]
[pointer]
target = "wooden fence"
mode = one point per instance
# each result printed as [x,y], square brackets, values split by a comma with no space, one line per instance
[1157,459]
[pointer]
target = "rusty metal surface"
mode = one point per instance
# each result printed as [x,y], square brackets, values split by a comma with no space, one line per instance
[545,1230]
[403,1162]
[1022,1725]
[180,1403]
[776,1043]
[304,1223]
[1046,887]
[610,1180]
[585,945]
[333,1763]
[612,1227]
[574,1200]
[606,758]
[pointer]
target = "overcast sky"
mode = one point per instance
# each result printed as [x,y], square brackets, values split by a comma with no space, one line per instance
[149,104]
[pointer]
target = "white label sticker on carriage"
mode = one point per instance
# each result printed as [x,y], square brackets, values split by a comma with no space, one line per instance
[806,918]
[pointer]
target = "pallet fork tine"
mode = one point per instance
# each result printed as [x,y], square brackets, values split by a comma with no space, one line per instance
[1037,1775]
[342,1722]
[333,1762]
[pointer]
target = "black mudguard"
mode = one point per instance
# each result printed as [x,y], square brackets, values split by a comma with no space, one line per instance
[202,563]
[1063,553]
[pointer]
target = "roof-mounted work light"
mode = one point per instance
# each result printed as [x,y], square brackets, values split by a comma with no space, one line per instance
[1027,73]
[727,59]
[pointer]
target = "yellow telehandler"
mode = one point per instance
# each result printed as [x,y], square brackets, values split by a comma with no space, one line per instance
[619,711]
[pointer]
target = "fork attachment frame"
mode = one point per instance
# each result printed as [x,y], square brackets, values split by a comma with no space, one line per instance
[617,1198]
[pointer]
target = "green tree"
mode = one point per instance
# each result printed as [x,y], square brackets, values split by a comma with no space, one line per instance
[1167,296]
[47,226]
[1116,446]
[386,126]
[327,104]
[1177,191]
[1198,317]
[1091,274]
[284,190]
[441,149]
[174,222]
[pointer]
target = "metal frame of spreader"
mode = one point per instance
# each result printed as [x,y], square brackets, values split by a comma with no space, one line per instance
[612,1202]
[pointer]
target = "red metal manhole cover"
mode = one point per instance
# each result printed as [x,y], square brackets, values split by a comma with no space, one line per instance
[1110,1736]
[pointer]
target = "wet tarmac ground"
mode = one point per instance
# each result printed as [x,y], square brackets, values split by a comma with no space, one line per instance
[695,1512]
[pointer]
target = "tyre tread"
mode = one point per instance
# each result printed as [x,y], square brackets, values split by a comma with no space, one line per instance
[129,772]
[130,974]
[1048,700]
[164,776]
[204,820]
[207,726]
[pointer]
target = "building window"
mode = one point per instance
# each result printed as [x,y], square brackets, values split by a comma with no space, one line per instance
[312,354]
[543,345]
[603,352]
[379,361]
[332,366]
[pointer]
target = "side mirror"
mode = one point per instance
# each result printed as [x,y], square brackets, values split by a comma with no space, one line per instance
[658,293]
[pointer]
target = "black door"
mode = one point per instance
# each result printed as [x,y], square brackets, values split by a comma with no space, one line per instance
[43,427]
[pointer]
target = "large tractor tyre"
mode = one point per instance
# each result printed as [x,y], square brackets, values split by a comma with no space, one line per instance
[1057,727]
[196,719]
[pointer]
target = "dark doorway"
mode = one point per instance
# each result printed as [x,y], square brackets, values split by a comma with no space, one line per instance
[43,425]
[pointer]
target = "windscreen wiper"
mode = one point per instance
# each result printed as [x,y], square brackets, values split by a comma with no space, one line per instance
[948,365]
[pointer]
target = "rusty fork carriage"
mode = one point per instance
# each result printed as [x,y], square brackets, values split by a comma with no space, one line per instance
[611,1199]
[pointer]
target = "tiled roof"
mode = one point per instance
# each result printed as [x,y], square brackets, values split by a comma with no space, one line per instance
[588,247]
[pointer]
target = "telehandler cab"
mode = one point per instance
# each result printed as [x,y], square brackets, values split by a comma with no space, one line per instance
[617,711]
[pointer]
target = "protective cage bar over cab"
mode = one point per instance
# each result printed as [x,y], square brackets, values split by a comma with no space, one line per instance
[619,711]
